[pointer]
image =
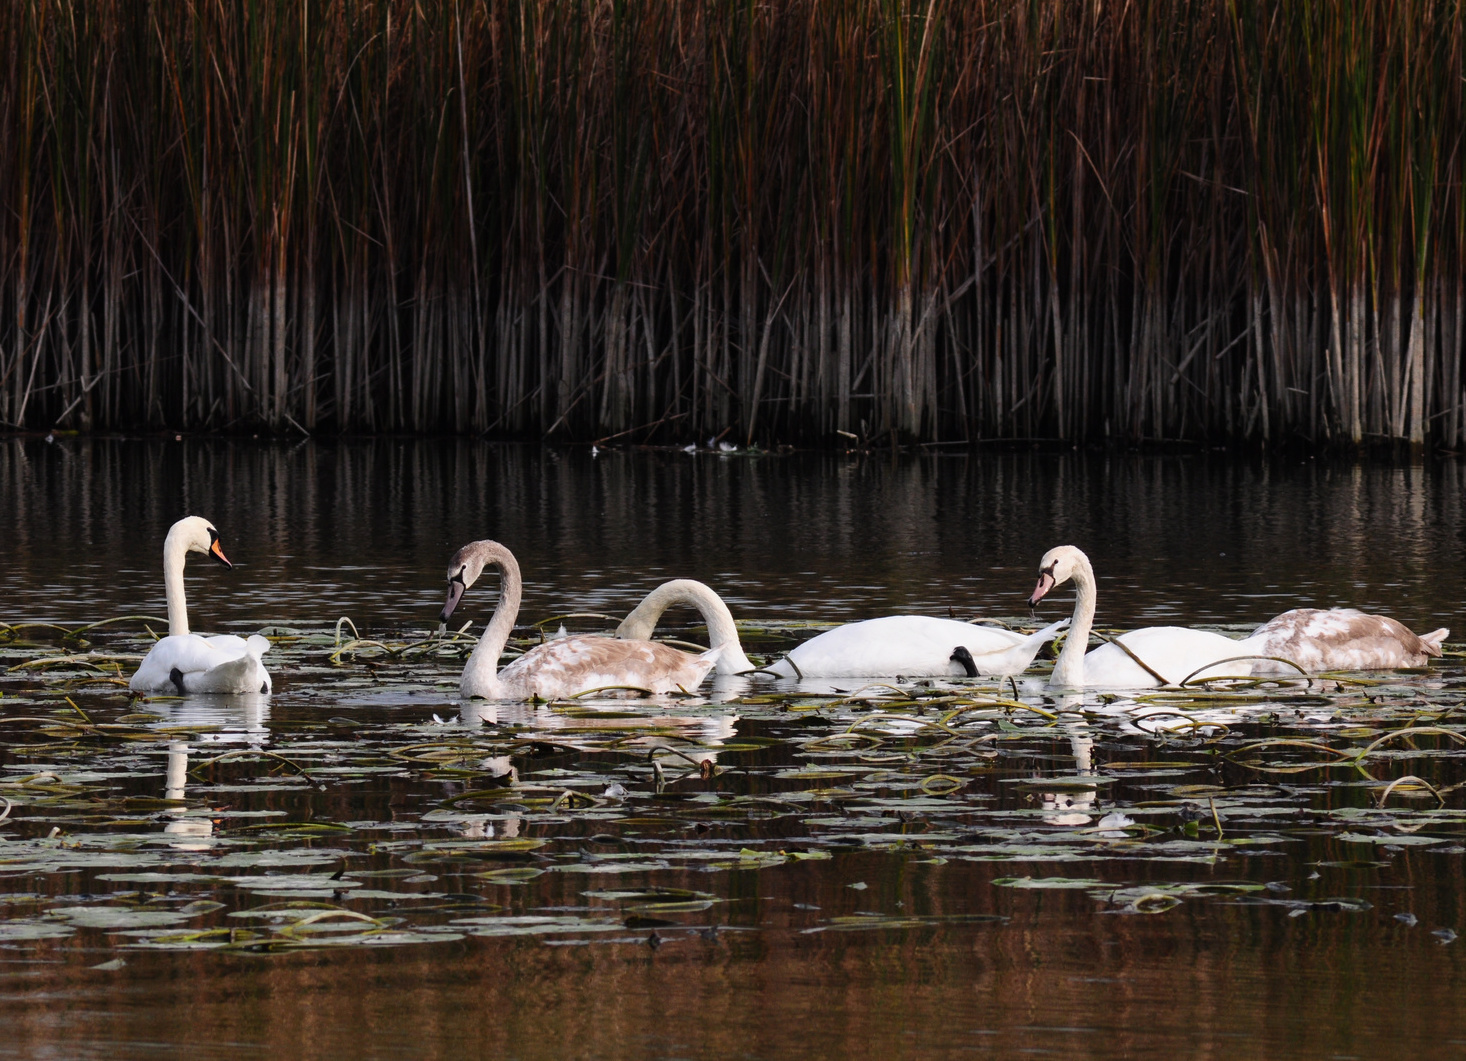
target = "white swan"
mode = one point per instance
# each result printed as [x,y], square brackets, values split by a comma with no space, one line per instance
[642,620]
[566,666]
[1173,652]
[914,646]
[1339,639]
[191,663]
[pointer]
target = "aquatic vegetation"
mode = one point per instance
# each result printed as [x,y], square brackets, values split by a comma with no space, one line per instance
[364,804]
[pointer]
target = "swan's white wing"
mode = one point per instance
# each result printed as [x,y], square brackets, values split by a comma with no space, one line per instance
[916,645]
[220,664]
[1174,652]
[243,674]
[186,653]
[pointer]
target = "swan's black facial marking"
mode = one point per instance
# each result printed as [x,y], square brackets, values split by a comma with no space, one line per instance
[456,588]
[176,677]
[264,688]
[216,550]
[964,657]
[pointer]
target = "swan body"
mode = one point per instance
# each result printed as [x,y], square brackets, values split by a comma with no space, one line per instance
[566,666]
[1174,652]
[914,645]
[1339,639]
[722,631]
[185,662]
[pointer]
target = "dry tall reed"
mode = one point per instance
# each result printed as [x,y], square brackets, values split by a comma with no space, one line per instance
[920,219]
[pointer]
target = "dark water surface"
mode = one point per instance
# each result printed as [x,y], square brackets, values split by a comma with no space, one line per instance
[365,529]
[344,868]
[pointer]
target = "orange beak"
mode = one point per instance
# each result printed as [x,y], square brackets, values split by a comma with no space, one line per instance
[217,552]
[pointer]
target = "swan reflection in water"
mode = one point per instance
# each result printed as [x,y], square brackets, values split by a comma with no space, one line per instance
[689,750]
[706,732]
[192,828]
[239,720]
[489,827]
[1072,806]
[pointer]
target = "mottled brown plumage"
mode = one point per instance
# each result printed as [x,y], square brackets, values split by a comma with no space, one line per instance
[1339,639]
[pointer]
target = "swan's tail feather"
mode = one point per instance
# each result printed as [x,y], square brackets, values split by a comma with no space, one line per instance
[690,674]
[258,645]
[782,668]
[1048,633]
[731,658]
[1434,640]
[1017,658]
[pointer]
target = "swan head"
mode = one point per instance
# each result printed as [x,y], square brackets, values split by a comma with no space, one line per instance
[195,534]
[1059,564]
[464,569]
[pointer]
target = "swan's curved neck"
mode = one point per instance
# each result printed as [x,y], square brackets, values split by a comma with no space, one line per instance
[722,630]
[1069,668]
[481,673]
[175,551]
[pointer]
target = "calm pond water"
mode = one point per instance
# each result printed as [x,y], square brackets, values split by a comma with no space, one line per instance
[362,864]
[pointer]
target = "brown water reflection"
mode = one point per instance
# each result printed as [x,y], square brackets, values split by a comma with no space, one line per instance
[1053,978]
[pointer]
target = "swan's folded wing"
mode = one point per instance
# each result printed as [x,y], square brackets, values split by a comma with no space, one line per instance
[892,645]
[243,674]
[573,665]
[229,645]
[1343,639]
[220,664]
[152,675]
[911,645]
[1176,653]
[185,653]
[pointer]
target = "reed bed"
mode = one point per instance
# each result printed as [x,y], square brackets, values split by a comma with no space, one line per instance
[667,219]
